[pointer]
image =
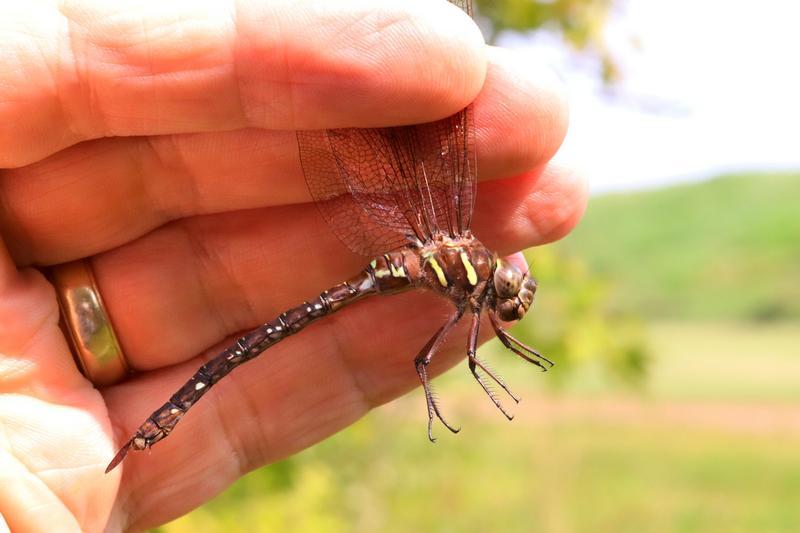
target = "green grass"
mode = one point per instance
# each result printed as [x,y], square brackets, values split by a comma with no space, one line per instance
[728,248]
[588,458]
[560,477]
[726,362]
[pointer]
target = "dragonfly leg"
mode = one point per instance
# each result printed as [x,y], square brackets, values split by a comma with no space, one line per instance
[421,363]
[518,347]
[472,345]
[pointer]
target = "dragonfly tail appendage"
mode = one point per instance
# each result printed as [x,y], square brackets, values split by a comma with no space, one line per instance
[118,458]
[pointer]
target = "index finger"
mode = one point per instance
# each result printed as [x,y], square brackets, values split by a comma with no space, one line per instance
[94,68]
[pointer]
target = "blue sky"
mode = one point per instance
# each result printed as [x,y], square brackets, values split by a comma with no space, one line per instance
[708,87]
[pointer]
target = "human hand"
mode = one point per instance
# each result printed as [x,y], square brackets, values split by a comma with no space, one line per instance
[157,140]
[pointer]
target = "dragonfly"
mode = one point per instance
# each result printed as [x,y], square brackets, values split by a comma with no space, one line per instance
[404,197]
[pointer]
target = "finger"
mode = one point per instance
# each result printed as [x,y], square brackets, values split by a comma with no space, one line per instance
[33,354]
[522,114]
[66,207]
[180,289]
[534,208]
[98,69]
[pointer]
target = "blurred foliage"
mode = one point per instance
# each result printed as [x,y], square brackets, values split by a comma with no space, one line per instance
[721,249]
[580,24]
[574,320]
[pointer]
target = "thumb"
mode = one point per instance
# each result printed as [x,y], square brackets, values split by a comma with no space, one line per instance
[55,437]
[33,352]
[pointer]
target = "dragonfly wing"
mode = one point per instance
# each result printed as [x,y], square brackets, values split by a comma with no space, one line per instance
[364,231]
[381,188]
[466,5]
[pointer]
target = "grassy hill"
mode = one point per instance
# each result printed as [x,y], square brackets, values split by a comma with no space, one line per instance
[728,248]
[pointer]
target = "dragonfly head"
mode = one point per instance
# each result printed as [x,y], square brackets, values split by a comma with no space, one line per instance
[514,291]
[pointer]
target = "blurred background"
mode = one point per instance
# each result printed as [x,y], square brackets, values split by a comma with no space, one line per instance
[673,311]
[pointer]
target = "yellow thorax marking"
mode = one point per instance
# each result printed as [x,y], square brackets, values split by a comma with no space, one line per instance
[472,276]
[438,270]
[397,272]
[379,272]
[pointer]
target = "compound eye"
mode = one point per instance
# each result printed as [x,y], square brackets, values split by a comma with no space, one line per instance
[530,284]
[507,279]
[527,292]
[526,297]
[508,311]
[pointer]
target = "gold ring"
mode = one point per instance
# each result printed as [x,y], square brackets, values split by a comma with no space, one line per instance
[86,324]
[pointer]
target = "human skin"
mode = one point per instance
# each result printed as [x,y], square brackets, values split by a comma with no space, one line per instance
[157,140]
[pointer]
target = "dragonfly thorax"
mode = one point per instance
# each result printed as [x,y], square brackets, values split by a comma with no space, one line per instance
[464,270]
[459,268]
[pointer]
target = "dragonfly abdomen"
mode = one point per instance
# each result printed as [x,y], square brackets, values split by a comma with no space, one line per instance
[386,274]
